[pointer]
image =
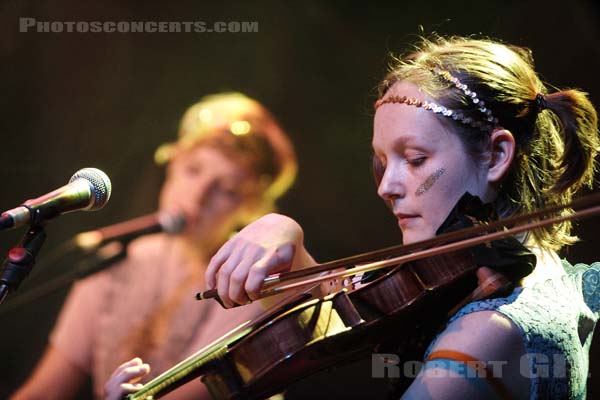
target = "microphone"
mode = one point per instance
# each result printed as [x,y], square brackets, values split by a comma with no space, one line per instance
[129,230]
[88,189]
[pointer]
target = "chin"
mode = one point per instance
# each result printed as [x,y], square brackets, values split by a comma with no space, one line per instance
[413,236]
[194,232]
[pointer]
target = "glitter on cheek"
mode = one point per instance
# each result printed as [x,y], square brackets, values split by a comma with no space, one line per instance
[431,179]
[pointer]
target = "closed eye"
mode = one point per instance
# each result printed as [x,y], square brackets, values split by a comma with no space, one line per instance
[417,161]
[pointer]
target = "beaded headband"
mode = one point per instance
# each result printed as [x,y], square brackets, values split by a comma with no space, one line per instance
[488,123]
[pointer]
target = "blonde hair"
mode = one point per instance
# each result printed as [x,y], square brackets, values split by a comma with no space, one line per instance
[556,133]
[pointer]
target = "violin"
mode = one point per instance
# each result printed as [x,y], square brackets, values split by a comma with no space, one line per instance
[308,334]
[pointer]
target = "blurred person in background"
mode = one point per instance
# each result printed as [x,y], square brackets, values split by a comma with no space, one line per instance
[229,165]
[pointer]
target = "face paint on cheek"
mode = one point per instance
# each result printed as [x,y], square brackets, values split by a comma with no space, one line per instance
[431,179]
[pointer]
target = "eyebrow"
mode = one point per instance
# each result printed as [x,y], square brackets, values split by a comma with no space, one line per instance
[407,139]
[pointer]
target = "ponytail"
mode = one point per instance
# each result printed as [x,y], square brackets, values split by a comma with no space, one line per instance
[577,122]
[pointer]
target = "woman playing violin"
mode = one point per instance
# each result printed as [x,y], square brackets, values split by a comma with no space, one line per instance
[463,115]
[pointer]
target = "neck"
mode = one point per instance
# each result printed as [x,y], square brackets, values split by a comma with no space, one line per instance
[548,266]
[199,250]
[193,250]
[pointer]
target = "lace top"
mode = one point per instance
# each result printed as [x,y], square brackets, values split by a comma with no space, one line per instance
[556,321]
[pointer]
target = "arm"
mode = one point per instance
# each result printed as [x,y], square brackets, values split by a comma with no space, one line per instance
[67,359]
[55,377]
[273,243]
[486,336]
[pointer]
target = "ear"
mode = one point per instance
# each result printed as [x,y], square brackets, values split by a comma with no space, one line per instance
[502,153]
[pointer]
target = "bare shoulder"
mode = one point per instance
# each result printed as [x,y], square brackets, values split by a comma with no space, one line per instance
[486,334]
[494,346]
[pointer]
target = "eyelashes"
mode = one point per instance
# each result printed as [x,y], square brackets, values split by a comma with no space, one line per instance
[378,168]
[415,162]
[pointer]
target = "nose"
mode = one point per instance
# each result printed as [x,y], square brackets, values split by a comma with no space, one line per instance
[199,189]
[391,186]
[203,190]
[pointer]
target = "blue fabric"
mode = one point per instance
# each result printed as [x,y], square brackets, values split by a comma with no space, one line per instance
[556,320]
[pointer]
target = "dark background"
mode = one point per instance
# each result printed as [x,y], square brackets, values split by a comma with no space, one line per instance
[72,100]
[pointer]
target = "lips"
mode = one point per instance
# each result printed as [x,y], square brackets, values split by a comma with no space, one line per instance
[401,215]
[404,219]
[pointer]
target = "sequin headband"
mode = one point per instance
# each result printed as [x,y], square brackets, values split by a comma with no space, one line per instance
[488,123]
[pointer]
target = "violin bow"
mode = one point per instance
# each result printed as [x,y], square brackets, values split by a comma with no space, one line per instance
[273,284]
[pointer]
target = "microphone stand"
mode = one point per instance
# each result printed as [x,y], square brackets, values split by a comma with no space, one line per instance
[21,259]
[95,258]
[90,263]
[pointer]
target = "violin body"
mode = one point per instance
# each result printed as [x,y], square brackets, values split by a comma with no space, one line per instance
[307,336]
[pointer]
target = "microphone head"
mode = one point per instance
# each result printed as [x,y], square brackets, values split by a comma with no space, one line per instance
[99,184]
[171,223]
